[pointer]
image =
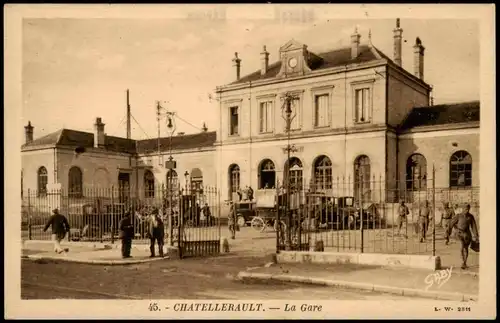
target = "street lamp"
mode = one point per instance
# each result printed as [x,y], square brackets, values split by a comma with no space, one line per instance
[288,114]
[170,165]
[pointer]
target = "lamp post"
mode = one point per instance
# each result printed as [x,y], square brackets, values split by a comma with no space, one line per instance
[288,115]
[170,165]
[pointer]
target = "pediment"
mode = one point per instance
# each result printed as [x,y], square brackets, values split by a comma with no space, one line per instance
[292,45]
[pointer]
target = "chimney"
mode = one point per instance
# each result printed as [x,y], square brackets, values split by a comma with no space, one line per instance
[418,54]
[28,131]
[204,128]
[355,44]
[264,61]
[99,135]
[398,37]
[237,64]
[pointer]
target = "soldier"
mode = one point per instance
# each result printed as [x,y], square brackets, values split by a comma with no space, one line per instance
[231,220]
[402,217]
[156,233]
[465,223]
[60,226]
[423,220]
[448,214]
[126,234]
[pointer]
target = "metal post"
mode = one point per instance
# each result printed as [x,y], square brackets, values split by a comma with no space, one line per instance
[113,214]
[433,211]
[361,211]
[278,223]
[29,215]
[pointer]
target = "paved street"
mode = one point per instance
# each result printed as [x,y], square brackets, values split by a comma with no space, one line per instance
[187,279]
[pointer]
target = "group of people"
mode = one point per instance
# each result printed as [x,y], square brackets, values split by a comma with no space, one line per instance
[462,220]
[155,232]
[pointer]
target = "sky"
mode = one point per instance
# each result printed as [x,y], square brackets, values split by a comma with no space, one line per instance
[74,70]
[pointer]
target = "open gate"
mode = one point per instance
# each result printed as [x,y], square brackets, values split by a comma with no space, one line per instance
[199,230]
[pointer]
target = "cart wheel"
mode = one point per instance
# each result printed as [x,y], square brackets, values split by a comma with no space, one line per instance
[189,224]
[241,221]
[258,224]
[283,226]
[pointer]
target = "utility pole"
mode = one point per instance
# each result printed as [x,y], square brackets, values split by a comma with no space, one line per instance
[129,130]
[158,117]
[288,114]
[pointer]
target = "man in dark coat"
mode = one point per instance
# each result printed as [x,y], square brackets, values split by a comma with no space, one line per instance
[126,234]
[465,223]
[231,220]
[156,233]
[60,226]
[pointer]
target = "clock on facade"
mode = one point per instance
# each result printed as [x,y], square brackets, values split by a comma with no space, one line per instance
[292,62]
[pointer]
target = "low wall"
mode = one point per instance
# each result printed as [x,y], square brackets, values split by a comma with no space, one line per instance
[370,259]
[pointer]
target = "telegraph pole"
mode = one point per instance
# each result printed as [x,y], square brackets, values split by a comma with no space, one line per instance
[128,117]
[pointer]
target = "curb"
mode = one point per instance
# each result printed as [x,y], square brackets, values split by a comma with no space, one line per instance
[95,261]
[363,286]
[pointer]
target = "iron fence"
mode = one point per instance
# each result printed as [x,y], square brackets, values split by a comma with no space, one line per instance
[365,217]
[192,217]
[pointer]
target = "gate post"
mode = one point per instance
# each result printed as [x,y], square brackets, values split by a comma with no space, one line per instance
[433,211]
[29,215]
[278,223]
[112,215]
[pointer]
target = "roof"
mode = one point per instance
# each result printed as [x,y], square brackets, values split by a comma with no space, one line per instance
[334,58]
[442,114]
[74,138]
[198,140]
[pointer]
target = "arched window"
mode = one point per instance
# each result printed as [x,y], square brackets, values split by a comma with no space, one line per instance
[323,172]
[196,180]
[234,179]
[172,183]
[362,179]
[149,184]
[294,171]
[460,169]
[42,181]
[75,182]
[416,172]
[267,174]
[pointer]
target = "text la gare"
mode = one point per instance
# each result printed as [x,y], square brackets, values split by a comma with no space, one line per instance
[303,308]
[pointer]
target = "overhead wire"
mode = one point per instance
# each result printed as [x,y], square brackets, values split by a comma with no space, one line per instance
[140,126]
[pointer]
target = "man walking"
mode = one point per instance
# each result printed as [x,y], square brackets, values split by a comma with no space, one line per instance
[423,220]
[465,223]
[402,217]
[126,234]
[231,220]
[60,226]
[156,233]
[445,220]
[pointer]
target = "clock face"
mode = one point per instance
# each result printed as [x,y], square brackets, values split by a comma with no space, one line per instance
[292,62]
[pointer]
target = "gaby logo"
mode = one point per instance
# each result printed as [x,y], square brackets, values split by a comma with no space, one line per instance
[440,278]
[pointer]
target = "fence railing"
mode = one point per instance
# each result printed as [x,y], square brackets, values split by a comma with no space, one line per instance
[351,216]
[94,213]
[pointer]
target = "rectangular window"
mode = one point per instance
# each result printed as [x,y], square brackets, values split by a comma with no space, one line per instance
[233,119]
[362,105]
[266,117]
[295,124]
[321,110]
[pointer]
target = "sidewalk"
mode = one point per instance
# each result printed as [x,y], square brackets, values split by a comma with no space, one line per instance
[402,281]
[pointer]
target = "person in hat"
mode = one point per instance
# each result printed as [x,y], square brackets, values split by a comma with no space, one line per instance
[156,233]
[467,232]
[126,234]
[402,216]
[448,214]
[60,227]
[424,216]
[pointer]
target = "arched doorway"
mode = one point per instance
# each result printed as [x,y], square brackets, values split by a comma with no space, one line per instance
[293,173]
